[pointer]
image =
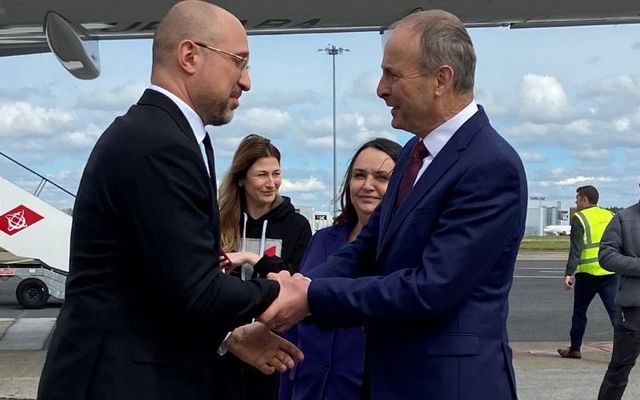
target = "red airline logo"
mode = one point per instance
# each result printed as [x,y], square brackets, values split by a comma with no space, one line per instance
[18,219]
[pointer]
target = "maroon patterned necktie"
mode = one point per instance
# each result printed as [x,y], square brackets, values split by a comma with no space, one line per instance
[418,153]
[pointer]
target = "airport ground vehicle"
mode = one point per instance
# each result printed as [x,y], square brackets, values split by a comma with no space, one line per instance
[38,281]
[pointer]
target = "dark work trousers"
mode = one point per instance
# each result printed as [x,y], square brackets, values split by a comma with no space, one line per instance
[626,347]
[586,288]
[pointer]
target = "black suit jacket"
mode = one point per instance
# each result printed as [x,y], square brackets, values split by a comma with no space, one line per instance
[146,303]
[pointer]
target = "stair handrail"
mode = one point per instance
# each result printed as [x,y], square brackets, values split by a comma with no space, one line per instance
[37,174]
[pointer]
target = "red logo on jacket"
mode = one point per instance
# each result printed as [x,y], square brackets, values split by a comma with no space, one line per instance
[270,251]
[18,219]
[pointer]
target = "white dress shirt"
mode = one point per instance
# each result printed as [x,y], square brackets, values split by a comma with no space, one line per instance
[439,137]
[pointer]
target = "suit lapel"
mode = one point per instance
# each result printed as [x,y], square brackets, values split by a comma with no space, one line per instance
[440,164]
[388,203]
[153,98]
[156,99]
[443,161]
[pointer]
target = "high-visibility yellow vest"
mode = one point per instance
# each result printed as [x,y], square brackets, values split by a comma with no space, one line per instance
[594,220]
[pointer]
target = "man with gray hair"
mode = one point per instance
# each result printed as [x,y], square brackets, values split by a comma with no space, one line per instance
[429,275]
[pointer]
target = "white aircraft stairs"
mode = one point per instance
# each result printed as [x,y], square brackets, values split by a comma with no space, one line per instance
[35,236]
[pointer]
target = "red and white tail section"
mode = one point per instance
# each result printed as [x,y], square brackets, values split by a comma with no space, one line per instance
[30,227]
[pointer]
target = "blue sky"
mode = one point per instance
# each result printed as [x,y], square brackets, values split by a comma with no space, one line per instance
[568,100]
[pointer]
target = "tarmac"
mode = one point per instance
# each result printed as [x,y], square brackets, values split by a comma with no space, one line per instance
[541,374]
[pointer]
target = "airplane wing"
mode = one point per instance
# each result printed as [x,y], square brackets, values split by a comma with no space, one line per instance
[21,21]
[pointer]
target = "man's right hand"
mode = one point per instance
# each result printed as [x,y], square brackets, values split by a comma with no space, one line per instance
[568,282]
[291,305]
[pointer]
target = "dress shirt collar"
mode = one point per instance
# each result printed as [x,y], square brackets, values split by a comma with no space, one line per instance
[439,137]
[197,126]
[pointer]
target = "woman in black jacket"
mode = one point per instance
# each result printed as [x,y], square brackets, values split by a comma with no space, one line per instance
[255,217]
[261,233]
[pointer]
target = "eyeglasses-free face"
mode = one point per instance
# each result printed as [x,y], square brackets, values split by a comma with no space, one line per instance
[241,62]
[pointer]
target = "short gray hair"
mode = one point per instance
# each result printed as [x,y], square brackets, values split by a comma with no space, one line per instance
[444,41]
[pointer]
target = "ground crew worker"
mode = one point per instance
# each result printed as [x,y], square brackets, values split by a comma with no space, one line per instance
[587,227]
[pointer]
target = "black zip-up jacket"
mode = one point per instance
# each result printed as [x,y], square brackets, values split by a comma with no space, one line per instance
[283,222]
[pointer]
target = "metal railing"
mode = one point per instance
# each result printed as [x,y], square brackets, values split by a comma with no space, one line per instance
[43,179]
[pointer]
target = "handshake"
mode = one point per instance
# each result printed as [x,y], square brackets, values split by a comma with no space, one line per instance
[256,345]
[291,305]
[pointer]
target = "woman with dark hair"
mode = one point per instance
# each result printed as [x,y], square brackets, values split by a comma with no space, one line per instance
[261,232]
[333,359]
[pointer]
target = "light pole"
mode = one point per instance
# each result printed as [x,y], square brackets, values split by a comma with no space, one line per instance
[333,51]
[540,199]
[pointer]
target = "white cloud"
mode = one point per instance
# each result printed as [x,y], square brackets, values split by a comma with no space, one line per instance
[526,132]
[311,184]
[379,121]
[584,133]
[364,88]
[543,98]
[635,118]
[618,85]
[572,120]
[496,104]
[321,126]
[21,118]
[622,124]
[558,171]
[581,127]
[266,119]
[580,180]
[352,129]
[593,155]
[115,99]
[530,157]
[612,95]
[81,139]
[282,98]
[318,142]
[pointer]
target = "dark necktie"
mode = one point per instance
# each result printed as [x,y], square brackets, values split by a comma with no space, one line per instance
[418,153]
[208,149]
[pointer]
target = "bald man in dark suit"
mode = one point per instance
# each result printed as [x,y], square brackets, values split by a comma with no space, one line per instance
[146,303]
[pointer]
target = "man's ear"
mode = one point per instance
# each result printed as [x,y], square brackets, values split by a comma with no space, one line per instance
[187,56]
[444,76]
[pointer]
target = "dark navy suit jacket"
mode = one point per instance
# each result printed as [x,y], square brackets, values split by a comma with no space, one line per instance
[435,274]
[333,358]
